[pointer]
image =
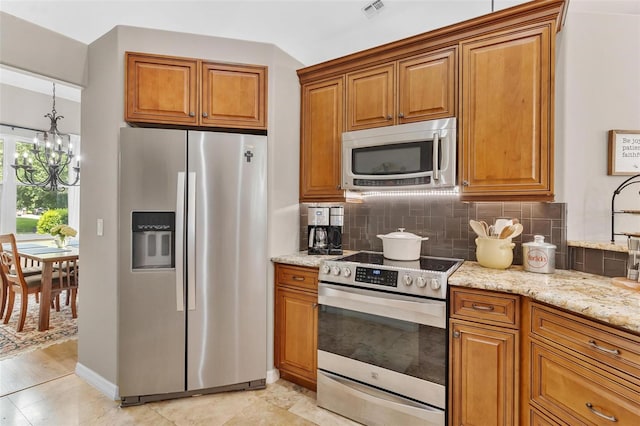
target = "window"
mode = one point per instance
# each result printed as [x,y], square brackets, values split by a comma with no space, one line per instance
[29,211]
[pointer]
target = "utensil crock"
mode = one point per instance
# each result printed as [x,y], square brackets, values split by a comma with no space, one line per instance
[494,253]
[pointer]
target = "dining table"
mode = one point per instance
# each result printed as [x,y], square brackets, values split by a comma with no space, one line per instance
[47,256]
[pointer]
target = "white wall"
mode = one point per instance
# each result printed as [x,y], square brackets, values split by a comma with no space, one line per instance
[102,117]
[598,89]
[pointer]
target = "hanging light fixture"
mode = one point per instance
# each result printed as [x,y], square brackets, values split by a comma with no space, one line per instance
[48,163]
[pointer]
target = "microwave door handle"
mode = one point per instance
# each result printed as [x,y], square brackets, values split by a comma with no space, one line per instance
[436,154]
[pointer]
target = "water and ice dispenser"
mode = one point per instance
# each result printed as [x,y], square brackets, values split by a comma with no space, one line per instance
[153,240]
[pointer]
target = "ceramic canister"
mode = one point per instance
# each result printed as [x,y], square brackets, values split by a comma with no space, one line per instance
[539,256]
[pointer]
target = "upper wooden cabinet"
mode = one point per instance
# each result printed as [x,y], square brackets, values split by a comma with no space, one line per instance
[506,115]
[161,90]
[234,96]
[415,89]
[370,98]
[495,73]
[185,91]
[427,87]
[320,145]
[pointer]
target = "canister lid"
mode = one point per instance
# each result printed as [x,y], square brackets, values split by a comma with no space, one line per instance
[538,241]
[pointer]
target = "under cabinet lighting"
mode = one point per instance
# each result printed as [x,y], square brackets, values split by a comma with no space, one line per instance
[429,192]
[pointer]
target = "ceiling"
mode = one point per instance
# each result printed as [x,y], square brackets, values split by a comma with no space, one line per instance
[311,31]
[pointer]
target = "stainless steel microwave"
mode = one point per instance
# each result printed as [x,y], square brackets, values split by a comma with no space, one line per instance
[412,156]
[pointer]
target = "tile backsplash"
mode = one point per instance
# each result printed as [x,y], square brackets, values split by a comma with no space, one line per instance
[445,220]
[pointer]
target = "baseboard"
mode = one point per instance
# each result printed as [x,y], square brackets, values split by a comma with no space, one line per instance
[272,376]
[97,381]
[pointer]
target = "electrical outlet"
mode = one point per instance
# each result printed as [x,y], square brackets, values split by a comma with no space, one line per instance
[100,227]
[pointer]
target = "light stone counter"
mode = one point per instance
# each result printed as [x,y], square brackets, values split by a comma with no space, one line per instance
[591,295]
[599,245]
[309,260]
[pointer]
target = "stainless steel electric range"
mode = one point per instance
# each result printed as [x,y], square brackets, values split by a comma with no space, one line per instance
[382,338]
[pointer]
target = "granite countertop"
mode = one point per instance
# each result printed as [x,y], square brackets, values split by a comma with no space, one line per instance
[599,245]
[301,258]
[591,295]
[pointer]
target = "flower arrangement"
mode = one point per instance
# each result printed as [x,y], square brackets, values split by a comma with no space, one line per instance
[61,232]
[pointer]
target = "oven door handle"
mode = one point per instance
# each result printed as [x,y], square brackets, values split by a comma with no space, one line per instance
[423,311]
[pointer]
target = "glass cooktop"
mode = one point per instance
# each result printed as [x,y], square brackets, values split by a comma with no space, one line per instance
[425,263]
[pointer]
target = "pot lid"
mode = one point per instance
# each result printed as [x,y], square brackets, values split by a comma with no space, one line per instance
[538,241]
[401,235]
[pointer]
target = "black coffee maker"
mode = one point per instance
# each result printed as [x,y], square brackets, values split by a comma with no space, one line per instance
[325,230]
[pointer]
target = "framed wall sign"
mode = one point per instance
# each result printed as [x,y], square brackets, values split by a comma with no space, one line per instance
[624,152]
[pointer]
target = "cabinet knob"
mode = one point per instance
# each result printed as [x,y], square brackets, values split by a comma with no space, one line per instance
[465,183]
[192,114]
[315,305]
[401,115]
[338,186]
[389,117]
[456,334]
[205,115]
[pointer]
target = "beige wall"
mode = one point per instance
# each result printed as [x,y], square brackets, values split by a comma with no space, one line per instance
[24,108]
[598,89]
[102,116]
[31,48]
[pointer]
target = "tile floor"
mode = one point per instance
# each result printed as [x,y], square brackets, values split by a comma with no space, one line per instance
[40,388]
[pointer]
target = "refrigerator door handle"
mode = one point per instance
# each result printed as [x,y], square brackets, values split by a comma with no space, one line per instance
[191,242]
[179,250]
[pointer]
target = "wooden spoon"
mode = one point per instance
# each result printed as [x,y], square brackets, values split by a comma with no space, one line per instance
[517,230]
[507,232]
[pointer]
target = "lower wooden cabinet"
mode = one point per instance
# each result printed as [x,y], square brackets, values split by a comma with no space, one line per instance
[483,374]
[296,324]
[580,371]
[484,357]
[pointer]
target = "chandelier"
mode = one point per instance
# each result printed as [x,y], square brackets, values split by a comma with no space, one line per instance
[47,164]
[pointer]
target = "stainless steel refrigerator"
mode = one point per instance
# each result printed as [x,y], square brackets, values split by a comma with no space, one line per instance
[192,263]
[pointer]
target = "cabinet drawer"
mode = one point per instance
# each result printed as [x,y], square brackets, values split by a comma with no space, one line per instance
[606,345]
[486,306]
[297,276]
[538,419]
[580,394]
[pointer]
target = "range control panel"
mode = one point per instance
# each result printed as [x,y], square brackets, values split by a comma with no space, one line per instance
[389,278]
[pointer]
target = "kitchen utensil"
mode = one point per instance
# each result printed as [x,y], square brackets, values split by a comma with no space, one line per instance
[506,232]
[478,228]
[539,256]
[517,230]
[401,245]
[494,252]
[485,225]
[501,223]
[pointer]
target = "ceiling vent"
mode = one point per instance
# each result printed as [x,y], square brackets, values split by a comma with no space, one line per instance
[373,8]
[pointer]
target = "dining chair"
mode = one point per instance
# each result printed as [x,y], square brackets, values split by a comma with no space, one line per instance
[17,282]
[66,277]
[29,267]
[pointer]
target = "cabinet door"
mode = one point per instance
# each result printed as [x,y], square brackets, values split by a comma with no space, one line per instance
[320,148]
[296,331]
[371,97]
[161,90]
[484,383]
[506,114]
[234,96]
[427,87]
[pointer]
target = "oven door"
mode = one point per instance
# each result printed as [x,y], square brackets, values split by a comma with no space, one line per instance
[393,343]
